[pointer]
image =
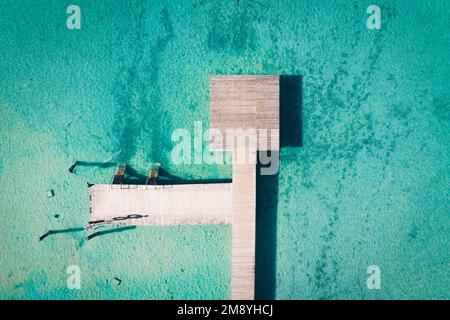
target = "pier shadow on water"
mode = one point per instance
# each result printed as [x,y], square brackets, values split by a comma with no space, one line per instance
[105,232]
[132,176]
[267,189]
[135,176]
[115,229]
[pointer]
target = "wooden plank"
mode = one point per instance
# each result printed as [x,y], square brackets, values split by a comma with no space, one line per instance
[245,102]
[164,205]
[243,232]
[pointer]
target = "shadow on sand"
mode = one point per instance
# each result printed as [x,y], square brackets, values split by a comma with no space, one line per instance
[50,232]
[115,230]
[95,234]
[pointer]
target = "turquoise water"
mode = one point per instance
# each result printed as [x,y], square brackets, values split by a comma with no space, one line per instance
[369,184]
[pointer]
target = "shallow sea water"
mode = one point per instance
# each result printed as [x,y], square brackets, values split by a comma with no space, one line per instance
[368,185]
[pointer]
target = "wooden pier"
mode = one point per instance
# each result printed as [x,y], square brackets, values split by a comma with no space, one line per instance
[239,103]
[165,205]
[243,104]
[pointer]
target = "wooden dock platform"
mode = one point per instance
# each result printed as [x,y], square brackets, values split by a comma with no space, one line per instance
[236,103]
[245,103]
[186,204]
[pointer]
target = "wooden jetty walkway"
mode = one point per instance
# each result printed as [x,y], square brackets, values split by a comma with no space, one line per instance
[164,205]
[237,103]
[243,103]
